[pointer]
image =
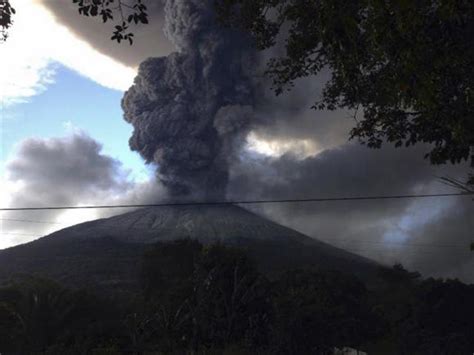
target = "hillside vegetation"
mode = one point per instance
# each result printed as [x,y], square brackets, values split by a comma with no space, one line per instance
[213,299]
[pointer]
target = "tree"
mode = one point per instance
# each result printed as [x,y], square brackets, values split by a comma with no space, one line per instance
[128,12]
[460,185]
[167,270]
[6,14]
[40,309]
[316,312]
[167,278]
[406,65]
[441,320]
[432,316]
[200,297]
[39,315]
[231,298]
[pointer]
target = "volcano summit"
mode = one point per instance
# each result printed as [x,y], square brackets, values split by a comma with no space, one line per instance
[107,252]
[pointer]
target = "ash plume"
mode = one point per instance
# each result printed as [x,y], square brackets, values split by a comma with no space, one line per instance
[191,110]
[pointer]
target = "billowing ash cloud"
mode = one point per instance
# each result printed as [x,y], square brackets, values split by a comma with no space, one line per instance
[191,110]
[430,235]
[66,171]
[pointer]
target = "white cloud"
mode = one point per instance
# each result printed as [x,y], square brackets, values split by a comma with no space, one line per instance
[301,148]
[36,42]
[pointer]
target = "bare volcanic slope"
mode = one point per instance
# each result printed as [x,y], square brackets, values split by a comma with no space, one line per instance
[106,252]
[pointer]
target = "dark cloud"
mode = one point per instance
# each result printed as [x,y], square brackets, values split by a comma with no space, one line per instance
[72,165]
[385,230]
[192,109]
[290,116]
[349,169]
[65,171]
[150,39]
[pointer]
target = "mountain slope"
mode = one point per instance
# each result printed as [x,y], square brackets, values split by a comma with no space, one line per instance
[206,223]
[106,252]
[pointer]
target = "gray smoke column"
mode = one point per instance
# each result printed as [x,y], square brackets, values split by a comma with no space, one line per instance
[192,109]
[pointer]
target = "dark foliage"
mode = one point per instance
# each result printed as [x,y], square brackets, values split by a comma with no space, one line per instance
[319,311]
[212,299]
[131,12]
[406,65]
[427,316]
[37,315]
[6,18]
[441,319]
[125,13]
[232,299]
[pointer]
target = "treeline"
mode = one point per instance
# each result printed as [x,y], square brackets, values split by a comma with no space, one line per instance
[197,299]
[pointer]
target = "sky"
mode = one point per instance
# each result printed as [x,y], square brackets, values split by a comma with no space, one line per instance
[45,73]
[64,141]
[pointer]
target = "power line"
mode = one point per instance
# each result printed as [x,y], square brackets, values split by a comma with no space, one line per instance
[24,234]
[243,202]
[27,221]
[421,252]
[420,245]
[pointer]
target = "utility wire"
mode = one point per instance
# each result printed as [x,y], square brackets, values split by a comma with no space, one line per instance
[420,245]
[418,252]
[243,202]
[25,234]
[27,221]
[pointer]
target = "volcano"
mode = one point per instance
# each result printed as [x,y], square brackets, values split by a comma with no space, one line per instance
[106,253]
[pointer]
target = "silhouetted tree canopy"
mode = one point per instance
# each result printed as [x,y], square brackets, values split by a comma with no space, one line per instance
[406,66]
[124,13]
[319,311]
[38,316]
[431,316]
[213,300]
[6,20]
[199,297]
[128,12]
